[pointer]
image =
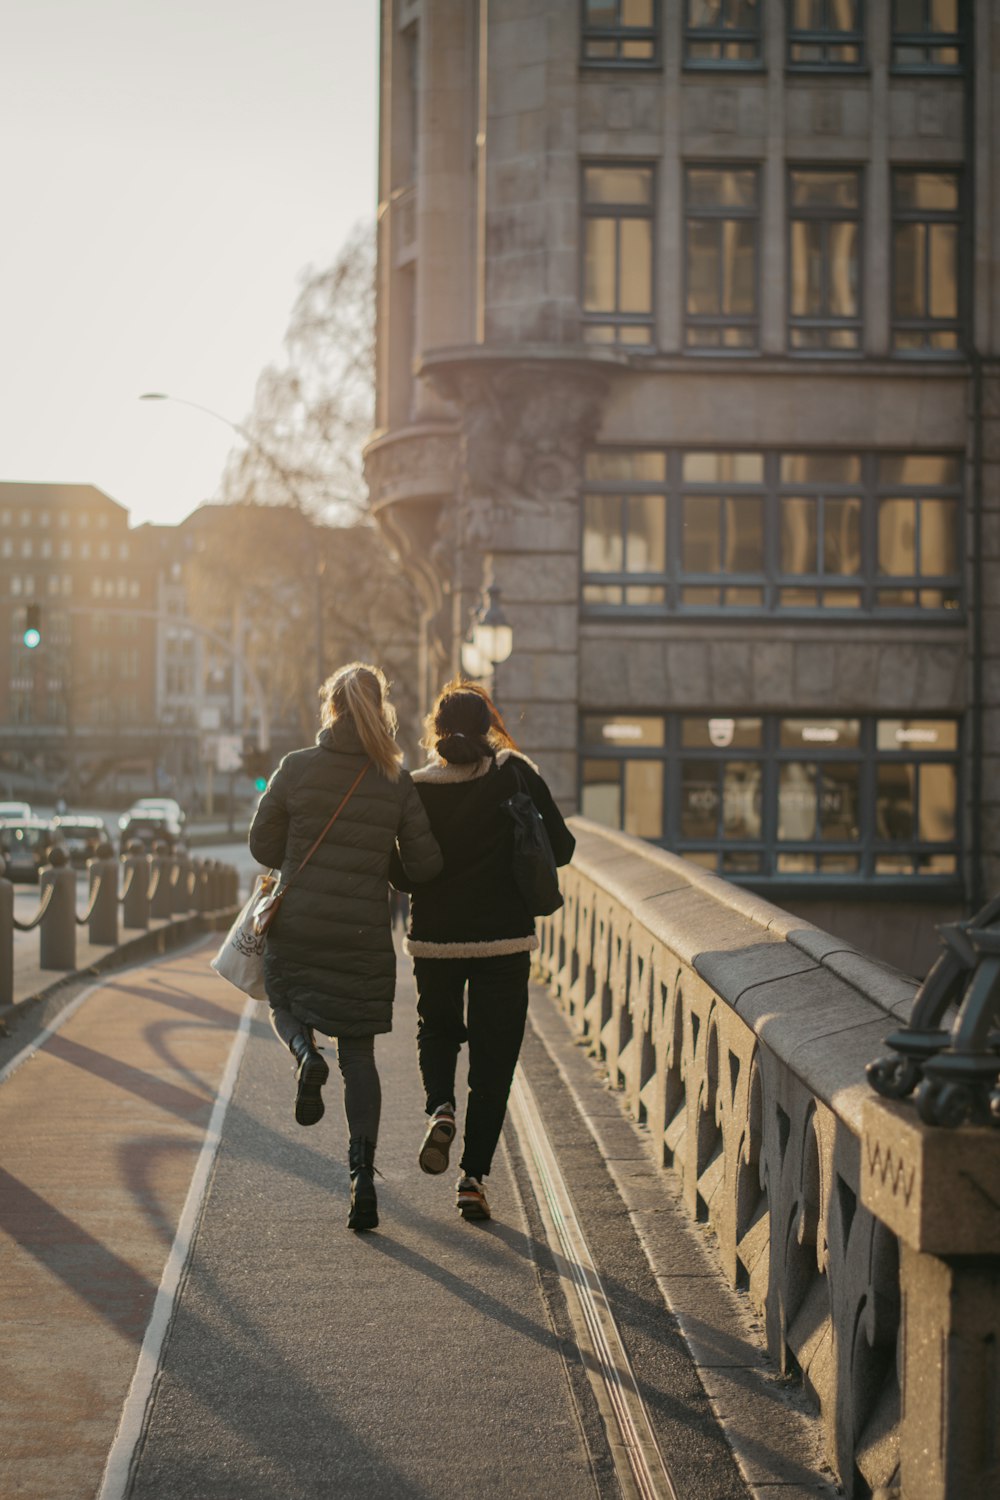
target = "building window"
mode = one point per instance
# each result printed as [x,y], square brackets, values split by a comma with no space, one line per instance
[621,33]
[918,533]
[825,260]
[722,33]
[767,797]
[827,34]
[617,270]
[703,531]
[721,219]
[927,36]
[926,239]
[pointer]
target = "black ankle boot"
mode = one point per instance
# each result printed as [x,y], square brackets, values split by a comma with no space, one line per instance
[312,1073]
[364,1204]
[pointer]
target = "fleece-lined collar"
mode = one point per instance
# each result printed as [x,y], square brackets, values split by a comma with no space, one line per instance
[438,771]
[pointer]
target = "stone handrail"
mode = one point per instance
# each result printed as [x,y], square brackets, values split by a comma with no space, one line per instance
[739,1035]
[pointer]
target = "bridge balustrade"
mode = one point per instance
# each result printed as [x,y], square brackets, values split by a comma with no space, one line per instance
[739,1036]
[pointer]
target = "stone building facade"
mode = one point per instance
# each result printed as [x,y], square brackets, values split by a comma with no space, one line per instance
[688,336]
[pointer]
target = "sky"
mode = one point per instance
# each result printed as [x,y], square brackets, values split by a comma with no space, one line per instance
[167,172]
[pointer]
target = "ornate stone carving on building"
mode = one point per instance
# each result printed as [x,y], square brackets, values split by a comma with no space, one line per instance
[412,478]
[524,427]
[413,462]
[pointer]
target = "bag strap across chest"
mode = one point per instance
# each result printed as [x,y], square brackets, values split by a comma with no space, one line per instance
[329,824]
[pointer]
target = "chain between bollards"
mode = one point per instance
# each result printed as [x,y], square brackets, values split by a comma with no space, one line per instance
[39,914]
[160,886]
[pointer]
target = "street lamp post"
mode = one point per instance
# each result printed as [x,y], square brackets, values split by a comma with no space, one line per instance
[492,638]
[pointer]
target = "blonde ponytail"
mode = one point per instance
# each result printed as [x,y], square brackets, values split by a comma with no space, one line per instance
[363,692]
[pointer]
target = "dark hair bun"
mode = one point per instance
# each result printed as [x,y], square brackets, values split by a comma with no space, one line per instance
[459,750]
[462,723]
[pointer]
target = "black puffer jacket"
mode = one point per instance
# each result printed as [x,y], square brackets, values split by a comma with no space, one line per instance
[473,909]
[330,958]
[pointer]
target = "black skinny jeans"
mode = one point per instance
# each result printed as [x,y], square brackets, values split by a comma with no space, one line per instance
[356,1060]
[494,1029]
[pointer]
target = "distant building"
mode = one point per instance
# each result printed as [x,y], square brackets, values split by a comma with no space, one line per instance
[688,330]
[68,550]
[119,681]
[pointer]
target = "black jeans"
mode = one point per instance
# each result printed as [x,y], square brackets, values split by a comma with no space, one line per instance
[356,1060]
[494,1029]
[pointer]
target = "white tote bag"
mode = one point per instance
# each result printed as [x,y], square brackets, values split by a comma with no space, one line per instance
[241,957]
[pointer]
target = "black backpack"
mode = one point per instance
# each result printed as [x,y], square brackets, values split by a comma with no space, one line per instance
[534,864]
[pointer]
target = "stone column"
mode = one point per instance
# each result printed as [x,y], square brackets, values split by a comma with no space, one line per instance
[524,430]
[939,1191]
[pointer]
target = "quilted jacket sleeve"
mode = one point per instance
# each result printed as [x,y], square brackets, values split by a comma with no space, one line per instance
[419,857]
[269,829]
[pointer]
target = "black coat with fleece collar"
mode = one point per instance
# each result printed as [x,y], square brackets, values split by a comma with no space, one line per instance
[473,909]
[329,957]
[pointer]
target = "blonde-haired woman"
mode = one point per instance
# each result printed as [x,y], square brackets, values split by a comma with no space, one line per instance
[330,965]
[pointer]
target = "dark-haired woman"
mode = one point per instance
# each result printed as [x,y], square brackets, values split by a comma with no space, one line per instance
[470,929]
[330,964]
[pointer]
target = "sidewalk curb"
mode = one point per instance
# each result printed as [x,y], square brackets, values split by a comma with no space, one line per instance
[45,1003]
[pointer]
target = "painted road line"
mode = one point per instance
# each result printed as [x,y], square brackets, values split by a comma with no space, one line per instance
[631,1437]
[118,1469]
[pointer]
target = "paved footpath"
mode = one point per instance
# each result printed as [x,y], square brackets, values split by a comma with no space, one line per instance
[286,1358]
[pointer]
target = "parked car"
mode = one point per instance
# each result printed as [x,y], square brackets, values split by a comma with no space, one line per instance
[152,818]
[25,844]
[15,810]
[81,834]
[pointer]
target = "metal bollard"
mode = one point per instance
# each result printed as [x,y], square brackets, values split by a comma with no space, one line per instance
[180,883]
[102,871]
[202,889]
[216,884]
[6,942]
[136,874]
[57,932]
[103,930]
[232,886]
[162,903]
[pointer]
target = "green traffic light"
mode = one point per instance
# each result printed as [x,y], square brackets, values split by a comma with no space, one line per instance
[32,638]
[260,783]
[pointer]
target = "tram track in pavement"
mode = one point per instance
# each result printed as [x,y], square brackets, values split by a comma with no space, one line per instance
[641,1469]
[689,1405]
[647,1421]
